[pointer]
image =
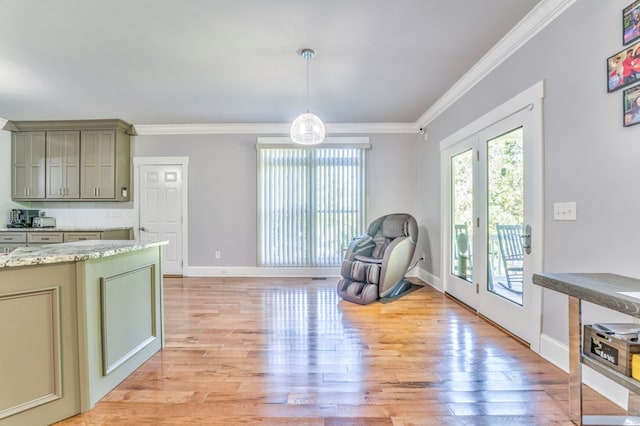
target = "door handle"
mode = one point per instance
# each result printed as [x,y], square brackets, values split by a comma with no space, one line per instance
[526,239]
[143,229]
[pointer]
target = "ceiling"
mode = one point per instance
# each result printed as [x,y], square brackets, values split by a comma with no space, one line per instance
[236,61]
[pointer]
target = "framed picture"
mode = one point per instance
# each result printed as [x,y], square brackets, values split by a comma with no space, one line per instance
[631,22]
[631,106]
[623,68]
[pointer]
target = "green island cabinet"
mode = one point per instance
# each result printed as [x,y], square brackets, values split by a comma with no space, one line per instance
[72,330]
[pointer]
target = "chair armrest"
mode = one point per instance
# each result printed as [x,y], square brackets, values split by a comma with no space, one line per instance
[368,259]
[362,245]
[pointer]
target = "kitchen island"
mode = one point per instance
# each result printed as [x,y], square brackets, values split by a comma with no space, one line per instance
[75,320]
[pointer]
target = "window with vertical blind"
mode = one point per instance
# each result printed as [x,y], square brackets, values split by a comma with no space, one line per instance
[311,203]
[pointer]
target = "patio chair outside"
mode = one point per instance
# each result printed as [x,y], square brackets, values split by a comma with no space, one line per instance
[510,243]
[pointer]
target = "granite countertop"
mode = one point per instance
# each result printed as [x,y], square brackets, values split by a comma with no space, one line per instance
[72,252]
[67,229]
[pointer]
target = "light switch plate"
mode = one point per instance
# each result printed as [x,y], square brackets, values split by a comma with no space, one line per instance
[565,211]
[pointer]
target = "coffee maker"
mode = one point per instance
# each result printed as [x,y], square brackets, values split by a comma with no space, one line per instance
[22,218]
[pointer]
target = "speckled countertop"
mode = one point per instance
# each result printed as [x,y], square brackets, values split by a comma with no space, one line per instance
[66,229]
[72,252]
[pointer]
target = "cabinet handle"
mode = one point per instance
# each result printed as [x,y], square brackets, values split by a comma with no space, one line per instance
[7,238]
[60,192]
[45,238]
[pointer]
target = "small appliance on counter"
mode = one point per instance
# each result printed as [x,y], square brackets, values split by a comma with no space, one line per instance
[44,222]
[22,218]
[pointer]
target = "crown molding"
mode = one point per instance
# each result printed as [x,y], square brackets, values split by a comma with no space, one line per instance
[536,20]
[267,128]
[49,125]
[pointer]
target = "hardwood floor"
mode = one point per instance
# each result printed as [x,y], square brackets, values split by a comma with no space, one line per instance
[289,352]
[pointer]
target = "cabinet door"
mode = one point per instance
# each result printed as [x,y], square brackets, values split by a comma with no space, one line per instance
[98,153]
[63,165]
[28,172]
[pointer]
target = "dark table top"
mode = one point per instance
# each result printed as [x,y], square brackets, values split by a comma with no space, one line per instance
[598,288]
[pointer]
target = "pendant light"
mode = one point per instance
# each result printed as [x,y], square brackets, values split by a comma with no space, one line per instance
[307,128]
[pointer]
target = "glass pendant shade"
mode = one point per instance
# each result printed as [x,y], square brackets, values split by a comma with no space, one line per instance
[307,129]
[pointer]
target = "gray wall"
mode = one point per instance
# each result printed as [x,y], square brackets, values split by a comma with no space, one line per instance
[222,188]
[589,156]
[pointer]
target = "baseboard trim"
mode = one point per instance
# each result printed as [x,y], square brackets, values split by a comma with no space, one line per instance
[257,271]
[558,354]
[427,277]
[270,272]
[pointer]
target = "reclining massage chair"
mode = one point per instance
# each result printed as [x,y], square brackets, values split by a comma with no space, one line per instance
[375,263]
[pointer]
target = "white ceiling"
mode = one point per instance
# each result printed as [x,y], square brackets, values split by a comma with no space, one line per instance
[236,61]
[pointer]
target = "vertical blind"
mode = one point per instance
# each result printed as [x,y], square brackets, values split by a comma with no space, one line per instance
[311,203]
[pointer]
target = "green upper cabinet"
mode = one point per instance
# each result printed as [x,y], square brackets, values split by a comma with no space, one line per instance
[63,165]
[98,164]
[71,160]
[28,171]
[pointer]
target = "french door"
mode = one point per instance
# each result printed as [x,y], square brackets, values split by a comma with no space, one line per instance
[493,221]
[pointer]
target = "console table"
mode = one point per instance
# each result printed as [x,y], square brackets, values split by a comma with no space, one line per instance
[605,290]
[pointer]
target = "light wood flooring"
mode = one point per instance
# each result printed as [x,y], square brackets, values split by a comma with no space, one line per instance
[289,352]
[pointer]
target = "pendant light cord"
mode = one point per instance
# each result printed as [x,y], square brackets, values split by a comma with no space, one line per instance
[308,59]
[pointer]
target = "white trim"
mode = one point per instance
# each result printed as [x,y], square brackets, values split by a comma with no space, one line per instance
[3,122]
[558,354]
[260,271]
[148,161]
[267,128]
[355,140]
[263,271]
[541,16]
[427,277]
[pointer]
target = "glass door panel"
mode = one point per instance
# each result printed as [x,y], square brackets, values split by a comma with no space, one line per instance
[462,215]
[459,222]
[505,215]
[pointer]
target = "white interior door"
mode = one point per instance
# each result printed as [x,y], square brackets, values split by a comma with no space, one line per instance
[161,212]
[493,221]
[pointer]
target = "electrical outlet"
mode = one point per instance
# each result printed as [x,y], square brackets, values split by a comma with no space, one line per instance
[218,255]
